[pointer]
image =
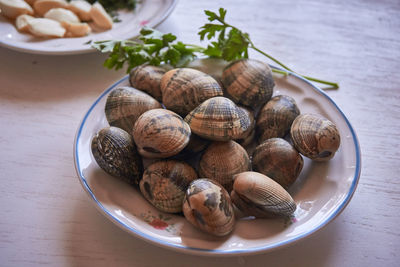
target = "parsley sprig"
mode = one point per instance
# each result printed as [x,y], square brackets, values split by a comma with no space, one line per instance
[153,47]
[231,43]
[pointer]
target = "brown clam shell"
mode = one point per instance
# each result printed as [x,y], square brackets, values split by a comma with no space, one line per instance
[276,117]
[248,82]
[208,207]
[147,78]
[279,160]
[248,136]
[160,133]
[218,119]
[164,184]
[315,137]
[221,160]
[124,105]
[184,89]
[261,196]
[115,152]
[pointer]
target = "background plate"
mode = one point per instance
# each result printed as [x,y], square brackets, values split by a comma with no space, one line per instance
[321,192]
[148,12]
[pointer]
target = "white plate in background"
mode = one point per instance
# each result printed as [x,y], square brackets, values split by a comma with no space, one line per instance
[147,13]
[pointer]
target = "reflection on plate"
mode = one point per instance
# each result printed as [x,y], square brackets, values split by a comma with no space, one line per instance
[147,13]
[321,192]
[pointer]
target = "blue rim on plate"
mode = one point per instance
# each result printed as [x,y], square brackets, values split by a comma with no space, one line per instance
[189,249]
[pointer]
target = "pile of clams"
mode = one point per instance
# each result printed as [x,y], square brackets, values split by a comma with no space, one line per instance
[212,149]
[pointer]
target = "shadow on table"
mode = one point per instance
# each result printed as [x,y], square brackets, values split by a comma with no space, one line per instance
[96,241]
[29,77]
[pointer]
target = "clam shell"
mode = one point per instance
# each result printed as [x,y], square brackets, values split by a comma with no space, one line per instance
[124,105]
[248,82]
[221,160]
[247,137]
[115,152]
[276,117]
[257,192]
[164,184]
[208,207]
[147,78]
[315,137]
[160,133]
[279,160]
[184,89]
[218,119]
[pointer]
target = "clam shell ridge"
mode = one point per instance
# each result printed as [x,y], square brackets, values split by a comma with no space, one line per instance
[184,89]
[247,137]
[164,184]
[221,160]
[208,207]
[115,152]
[248,82]
[315,137]
[147,78]
[276,117]
[160,133]
[218,119]
[279,160]
[263,194]
[124,105]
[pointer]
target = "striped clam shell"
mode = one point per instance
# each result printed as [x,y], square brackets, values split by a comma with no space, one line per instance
[208,207]
[279,160]
[160,133]
[257,195]
[115,152]
[124,105]
[147,78]
[315,137]
[221,160]
[276,117]
[218,119]
[184,89]
[248,82]
[248,136]
[164,184]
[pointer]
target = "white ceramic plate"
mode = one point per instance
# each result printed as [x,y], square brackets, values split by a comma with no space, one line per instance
[147,13]
[321,192]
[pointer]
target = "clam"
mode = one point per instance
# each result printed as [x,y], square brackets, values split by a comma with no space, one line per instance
[279,160]
[315,137]
[276,117]
[184,89]
[221,160]
[248,136]
[160,133]
[164,184]
[124,105]
[218,119]
[147,78]
[258,195]
[208,207]
[248,82]
[115,152]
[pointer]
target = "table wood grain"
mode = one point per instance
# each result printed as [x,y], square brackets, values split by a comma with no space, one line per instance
[46,217]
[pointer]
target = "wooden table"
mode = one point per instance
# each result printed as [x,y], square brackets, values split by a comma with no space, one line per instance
[47,218]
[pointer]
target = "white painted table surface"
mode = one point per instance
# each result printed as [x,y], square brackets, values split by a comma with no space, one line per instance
[46,218]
